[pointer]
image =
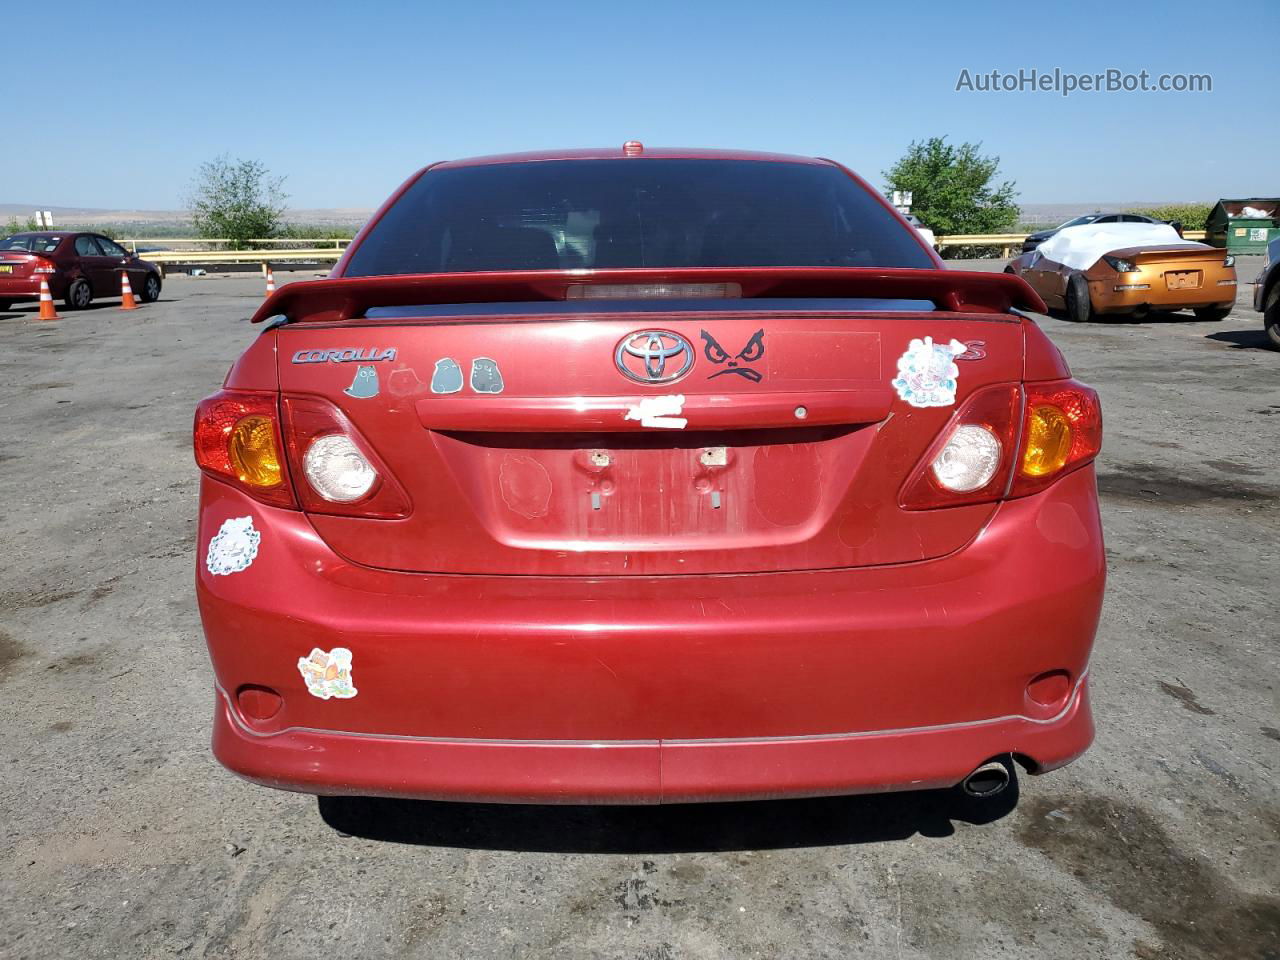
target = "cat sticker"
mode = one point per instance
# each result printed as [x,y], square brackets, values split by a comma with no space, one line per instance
[485,376]
[447,377]
[364,385]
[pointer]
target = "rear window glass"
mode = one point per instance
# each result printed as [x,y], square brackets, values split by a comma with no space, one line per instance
[583,214]
[30,243]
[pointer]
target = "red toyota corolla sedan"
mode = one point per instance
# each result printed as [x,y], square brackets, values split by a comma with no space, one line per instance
[78,266]
[647,476]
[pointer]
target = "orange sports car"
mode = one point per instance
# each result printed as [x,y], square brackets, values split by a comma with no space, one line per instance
[1087,271]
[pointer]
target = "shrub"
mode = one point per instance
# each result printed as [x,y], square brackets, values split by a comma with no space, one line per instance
[1192,216]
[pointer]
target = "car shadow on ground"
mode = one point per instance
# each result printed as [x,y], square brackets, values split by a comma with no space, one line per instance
[678,828]
[1243,339]
[1156,317]
[30,311]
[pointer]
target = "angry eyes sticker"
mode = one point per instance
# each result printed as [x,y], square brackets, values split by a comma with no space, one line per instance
[738,363]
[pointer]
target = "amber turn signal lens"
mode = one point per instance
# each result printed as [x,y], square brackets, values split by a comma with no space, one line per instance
[254,456]
[1048,442]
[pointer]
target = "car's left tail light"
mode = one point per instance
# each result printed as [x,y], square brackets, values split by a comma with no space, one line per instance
[238,440]
[335,469]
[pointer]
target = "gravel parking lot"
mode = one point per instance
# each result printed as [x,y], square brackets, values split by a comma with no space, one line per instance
[125,838]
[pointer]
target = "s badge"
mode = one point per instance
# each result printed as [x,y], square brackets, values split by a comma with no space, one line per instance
[751,353]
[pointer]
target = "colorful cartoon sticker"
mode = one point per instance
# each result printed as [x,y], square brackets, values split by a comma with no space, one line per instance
[233,548]
[328,675]
[927,373]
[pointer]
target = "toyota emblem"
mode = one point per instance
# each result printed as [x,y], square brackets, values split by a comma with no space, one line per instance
[654,356]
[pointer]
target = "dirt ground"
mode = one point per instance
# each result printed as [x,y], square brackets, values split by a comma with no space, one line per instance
[123,838]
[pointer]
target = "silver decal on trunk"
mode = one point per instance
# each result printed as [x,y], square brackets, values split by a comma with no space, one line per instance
[485,376]
[364,384]
[447,377]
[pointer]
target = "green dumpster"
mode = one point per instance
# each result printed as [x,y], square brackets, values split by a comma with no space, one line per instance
[1244,226]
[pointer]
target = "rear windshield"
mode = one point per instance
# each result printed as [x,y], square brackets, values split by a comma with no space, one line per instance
[583,214]
[30,243]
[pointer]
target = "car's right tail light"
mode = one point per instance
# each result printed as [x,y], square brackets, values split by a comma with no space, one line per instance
[43,266]
[1007,441]
[335,470]
[1061,430]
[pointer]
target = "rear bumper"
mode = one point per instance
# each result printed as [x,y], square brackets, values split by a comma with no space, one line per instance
[639,689]
[317,761]
[1106,299]
[19,288]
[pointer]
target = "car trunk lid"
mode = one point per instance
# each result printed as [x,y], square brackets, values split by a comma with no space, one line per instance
[534,443]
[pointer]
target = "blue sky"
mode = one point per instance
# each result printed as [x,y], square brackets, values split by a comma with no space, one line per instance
[347,99]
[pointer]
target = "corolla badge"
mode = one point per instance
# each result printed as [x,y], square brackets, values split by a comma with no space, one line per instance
[653,356]
[753,351]
[345,355]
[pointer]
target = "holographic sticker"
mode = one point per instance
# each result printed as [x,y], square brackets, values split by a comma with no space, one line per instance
[328,675]
[233,548]
[447,377]
[485,376]
[927,373]
[364,385]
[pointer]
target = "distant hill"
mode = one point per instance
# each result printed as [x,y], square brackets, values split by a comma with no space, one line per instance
[169,219]
[167,222]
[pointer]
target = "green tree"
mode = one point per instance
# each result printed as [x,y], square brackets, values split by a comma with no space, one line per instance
[237,199]
[953,189]
[19,226]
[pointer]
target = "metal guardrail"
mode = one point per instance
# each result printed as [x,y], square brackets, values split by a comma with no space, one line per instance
[263,258]
[337,243]
[1006,241]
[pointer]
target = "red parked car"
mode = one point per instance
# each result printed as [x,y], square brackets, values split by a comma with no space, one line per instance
[80,267]
[647,476]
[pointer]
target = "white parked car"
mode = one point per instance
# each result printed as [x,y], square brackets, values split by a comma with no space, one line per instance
[922,230]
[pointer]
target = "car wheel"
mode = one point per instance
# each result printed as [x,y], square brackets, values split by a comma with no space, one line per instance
[1213,314]
[1272,318]
[1079,305]
[79,295]
[151,288]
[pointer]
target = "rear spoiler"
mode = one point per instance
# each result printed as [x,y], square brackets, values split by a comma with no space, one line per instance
[345,298]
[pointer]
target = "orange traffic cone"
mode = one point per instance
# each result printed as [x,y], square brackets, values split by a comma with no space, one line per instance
[126,293]
[271,282]
[46,302]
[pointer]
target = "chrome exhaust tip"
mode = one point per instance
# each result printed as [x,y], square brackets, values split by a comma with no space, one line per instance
[988,780]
